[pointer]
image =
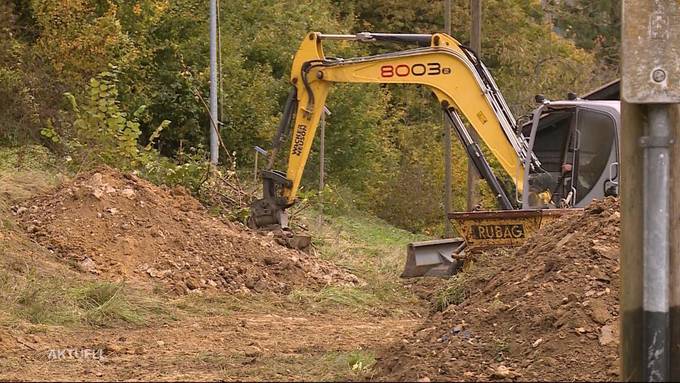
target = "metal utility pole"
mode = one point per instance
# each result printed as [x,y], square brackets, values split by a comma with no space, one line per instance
[447,142]
[322,161]
[214,124]
[476,45]
[650,239]
[322,152]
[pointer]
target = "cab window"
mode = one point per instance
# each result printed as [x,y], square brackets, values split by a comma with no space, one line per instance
[595,139]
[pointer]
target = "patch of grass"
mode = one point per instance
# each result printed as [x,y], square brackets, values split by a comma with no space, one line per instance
[366,245]
[48,297]
[8,224]
[218,361]
[351,297]
[44,302]
[371,249]
[500,348]
[372,231]
[24,172]
[224,304]
[38,329]
[456,290]
[26,157]
[105,304]
[351,365]
[384,298]
[345,365]
[497,305]
[360,360]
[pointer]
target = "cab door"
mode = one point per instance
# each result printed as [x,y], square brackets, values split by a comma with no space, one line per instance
[595,170]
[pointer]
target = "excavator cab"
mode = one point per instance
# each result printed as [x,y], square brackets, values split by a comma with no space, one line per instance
[577,145]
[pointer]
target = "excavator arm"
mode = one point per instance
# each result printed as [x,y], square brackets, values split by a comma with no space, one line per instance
[458,80]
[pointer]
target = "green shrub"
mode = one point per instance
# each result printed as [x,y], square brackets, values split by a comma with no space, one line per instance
[101,133]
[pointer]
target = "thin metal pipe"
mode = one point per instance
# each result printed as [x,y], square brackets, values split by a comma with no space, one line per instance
[477,158]
[322,164]
[448,176]
[283,127]
[448,154]
[656,253]
[475,41]
[328,36]
[214,122]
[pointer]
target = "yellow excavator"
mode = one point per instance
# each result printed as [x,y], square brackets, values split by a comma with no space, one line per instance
[560,157]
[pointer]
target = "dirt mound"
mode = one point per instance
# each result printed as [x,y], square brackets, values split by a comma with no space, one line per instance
[545,311]
[122,227]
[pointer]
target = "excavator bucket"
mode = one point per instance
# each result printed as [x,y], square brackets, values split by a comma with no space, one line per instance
[433,258]
[480,230]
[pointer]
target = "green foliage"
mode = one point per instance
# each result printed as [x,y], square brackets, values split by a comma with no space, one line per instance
[191,172]
[21,103]
[593,25]
[80,37]
[100,123]
[27,157]
[360,360]
[20,109]
[383,143]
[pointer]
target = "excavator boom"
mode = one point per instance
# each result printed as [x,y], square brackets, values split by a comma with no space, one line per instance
[458,80]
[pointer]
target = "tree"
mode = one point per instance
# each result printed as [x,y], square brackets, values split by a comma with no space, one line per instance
[383,141]
[593,25]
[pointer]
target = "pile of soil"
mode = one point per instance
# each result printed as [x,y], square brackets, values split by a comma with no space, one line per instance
[121,227]
[546,311]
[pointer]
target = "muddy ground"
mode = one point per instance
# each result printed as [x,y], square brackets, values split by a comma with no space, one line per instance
[119,226]
[163,289]
[264,345]
[159,288]
[545,311]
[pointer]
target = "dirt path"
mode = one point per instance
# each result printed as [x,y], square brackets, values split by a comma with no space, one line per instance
[169,292]
[239,346]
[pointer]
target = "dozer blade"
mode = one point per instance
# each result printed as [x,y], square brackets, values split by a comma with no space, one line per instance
[433,258]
